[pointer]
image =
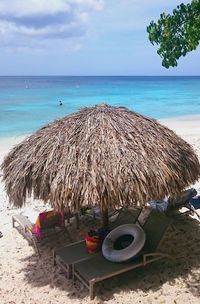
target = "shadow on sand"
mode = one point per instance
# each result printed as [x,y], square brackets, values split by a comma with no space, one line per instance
[181,242]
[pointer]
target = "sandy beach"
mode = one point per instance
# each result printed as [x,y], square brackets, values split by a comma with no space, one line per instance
[27,279]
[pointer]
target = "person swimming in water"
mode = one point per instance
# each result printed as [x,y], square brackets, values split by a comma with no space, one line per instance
[60,103]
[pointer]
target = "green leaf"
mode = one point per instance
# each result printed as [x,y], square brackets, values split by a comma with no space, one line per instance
[176,34]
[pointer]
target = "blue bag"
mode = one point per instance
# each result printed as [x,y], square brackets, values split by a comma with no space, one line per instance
[195,202]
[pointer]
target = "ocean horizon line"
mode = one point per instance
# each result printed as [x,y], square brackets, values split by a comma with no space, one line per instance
[63,75]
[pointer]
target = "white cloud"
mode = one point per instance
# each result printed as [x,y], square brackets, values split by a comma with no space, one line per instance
[42,23]
[25,23]
[133,14]
[29,7]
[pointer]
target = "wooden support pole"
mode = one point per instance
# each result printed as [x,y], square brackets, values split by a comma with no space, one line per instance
[104,218]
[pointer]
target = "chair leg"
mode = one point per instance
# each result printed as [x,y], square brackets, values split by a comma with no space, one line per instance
[91,290]
[69,272]
[13,222]
[54,258]
[36,246]
[32,237]
[73,276]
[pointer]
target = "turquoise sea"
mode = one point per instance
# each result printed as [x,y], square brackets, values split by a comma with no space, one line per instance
[27,103]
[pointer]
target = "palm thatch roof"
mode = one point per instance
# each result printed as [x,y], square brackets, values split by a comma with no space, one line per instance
[103,155]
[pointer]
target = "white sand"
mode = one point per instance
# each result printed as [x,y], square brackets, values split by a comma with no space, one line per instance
[24,278]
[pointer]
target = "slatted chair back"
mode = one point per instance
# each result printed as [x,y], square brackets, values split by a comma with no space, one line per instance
[155,228]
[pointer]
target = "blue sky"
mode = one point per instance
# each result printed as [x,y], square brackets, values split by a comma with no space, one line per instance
[84,37]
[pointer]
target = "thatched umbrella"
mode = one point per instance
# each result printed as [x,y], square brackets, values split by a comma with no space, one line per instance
[103,155]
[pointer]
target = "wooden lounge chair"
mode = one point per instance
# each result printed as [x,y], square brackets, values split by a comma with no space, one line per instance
[66,256]
[24,224]
[97,268]
[181,201]
[172,206]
